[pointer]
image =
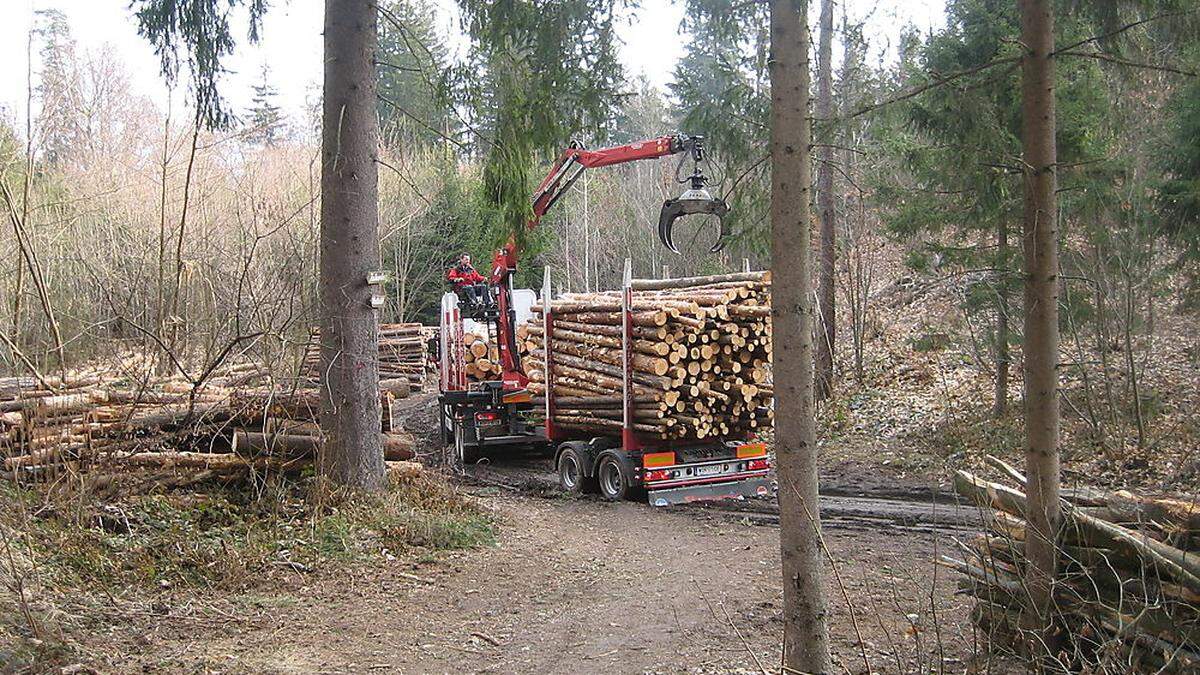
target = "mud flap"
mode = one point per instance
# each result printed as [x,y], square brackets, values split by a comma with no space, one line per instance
[751,487]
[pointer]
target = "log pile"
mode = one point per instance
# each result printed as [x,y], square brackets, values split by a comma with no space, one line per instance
[481,358]
[402,354]
[1128,596]
[701,355]
[227,428]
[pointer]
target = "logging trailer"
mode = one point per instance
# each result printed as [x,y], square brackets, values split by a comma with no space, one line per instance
[499,416]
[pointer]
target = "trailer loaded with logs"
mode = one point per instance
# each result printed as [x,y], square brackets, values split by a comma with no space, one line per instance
[670,405]
[659,388]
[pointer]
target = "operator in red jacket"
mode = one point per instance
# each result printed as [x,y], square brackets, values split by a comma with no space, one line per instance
[467,282]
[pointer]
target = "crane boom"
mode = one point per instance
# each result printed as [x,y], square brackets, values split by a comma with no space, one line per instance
[567,169]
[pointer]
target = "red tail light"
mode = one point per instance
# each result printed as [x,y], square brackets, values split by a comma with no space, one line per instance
[758,464]
[656,474]
[487,416]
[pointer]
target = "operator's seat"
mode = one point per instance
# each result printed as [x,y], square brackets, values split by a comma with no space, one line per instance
[486,309]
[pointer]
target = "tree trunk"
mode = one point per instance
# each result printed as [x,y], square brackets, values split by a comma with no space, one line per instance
[826,293]
[1041,314]
[805,634]
[1000,405]
[350,410]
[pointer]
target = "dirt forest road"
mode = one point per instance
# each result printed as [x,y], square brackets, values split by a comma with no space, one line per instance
[579,585]
[587,586]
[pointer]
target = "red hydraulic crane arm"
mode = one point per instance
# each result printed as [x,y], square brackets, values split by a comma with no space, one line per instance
[569,166]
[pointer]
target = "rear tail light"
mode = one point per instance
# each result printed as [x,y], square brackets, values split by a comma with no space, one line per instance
[656,474]
[487,416]
[758,464]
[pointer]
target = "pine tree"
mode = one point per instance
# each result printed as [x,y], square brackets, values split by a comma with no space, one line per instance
[266,124]
[413,71]
[956,150]
[805,632]
[201,30]
[1038,127]
[350,412]
[57,88]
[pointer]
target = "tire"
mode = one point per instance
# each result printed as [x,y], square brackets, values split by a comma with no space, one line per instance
[613,476]
[460,451]
[570,470]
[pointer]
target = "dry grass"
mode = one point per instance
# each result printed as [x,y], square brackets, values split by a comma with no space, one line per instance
[71,564]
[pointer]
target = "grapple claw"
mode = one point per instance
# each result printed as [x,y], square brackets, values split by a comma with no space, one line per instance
[692,202]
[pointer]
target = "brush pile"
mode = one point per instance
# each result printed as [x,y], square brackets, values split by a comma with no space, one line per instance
[402,353]
[701,355]
[1128,596]
[109,423]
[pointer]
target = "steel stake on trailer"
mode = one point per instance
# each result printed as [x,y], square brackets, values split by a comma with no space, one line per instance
[627,437]
[548,340]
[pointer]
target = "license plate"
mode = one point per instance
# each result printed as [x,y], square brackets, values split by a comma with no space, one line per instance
[488,423]
[711,470]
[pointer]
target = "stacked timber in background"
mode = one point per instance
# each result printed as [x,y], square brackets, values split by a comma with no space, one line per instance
[1128,595]
[121,421]
[401,354]
[701,355]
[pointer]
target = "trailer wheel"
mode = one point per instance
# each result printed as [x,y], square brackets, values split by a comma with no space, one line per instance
[570,470]
[614,477]
[571,465]
[459,456]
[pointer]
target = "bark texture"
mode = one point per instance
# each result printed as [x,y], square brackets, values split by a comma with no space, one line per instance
[350,410]
[826,295]
[805,633]
[1041,312]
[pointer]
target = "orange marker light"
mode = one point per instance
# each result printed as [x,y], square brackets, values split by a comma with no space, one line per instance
[658,459]
[751,450]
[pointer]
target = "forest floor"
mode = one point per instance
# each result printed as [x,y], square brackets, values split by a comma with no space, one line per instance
[563,584]
[570,586]
[924,405]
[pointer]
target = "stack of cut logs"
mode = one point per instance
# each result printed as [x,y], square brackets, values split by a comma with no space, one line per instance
[481,357]
[701,353]
[401,353]
[1128,592]
[109,423]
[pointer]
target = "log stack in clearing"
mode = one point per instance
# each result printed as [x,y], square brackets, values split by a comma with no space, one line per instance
[401,353]
[701,355]
[1128,596]
[120,421]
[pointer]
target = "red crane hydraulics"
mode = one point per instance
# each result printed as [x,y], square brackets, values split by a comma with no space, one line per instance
[569,166]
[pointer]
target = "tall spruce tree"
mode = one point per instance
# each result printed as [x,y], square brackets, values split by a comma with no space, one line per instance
[957,150]
[266,124]
[1038,128]
[805,632]
[413,69]
[201,29]
[350,412]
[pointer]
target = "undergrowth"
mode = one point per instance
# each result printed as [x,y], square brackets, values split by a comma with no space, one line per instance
[56,549]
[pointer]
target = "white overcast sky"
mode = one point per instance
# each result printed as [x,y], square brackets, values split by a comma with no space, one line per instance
[291,43]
